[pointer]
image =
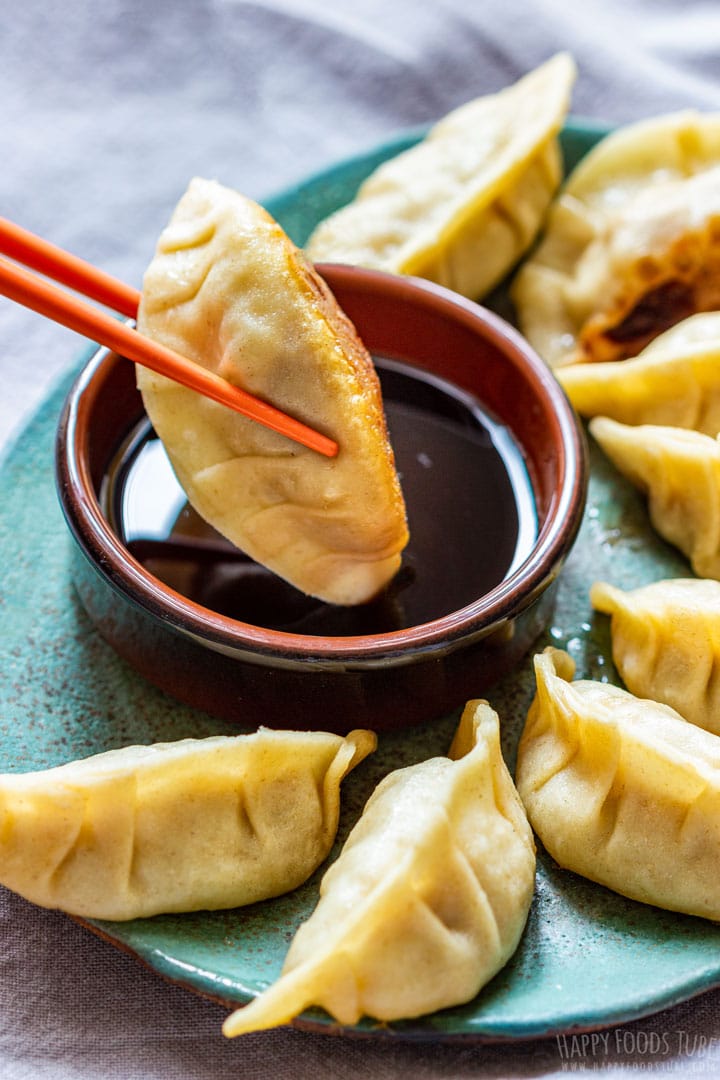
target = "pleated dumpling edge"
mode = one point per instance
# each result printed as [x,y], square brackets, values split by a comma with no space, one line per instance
[464,204]
[678,471]
[674,381]
[666,643]
[427,900]
[630,246]
[229,290]
[197,824]
[622,790]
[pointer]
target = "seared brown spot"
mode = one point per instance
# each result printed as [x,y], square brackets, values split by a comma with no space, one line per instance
[656,311]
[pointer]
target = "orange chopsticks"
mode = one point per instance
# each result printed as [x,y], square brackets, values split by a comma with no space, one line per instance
[31,250]
[33,292]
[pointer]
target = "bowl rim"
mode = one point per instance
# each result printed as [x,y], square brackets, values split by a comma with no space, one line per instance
[482,616]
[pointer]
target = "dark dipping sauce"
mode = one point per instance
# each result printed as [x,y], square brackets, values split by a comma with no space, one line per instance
[470,504]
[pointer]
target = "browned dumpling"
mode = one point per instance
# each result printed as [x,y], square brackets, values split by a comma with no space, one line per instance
[632,245]
[229,290]
[674,381]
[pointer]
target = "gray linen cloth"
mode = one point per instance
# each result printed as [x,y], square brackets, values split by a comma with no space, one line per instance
[107,110]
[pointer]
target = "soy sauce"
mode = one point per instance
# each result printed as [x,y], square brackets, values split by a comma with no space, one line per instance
[470,505]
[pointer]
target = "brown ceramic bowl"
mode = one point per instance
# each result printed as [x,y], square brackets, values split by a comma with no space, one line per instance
[253,674]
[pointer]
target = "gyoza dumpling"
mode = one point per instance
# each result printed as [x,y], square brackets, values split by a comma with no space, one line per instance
[679,472]
[228,289]
[674,381]
[632,245]
[462,206]
[666,643]
[622,790]
[700,329]
[196,824]
[427,899]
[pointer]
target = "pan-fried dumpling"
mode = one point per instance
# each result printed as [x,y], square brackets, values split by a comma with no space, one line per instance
[621,790]
[197,824]
[674,381]
[427,899]
[700,329]
[666,643]
[463,205]
[228,289]
[679,472]
[632,245]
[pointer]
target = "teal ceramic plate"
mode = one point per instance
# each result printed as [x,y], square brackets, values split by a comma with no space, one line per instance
[588,958]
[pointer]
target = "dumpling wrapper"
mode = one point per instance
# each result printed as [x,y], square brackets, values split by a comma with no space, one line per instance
[229,290]
[622,790]
[674,381]
[700,329]
[666,643]
[631,246]
[463,205]
[198,824]
[679,473]
[427,900]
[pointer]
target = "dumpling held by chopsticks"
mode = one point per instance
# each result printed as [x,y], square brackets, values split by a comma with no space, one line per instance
[229,290]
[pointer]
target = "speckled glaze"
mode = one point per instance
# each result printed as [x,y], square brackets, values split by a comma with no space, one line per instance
[588,958]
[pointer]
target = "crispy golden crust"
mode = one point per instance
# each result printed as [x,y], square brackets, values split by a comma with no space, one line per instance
[660,291]
[632,245]
[228,289]
[343,329]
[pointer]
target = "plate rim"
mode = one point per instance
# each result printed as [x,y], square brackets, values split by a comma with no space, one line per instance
[315,1021]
